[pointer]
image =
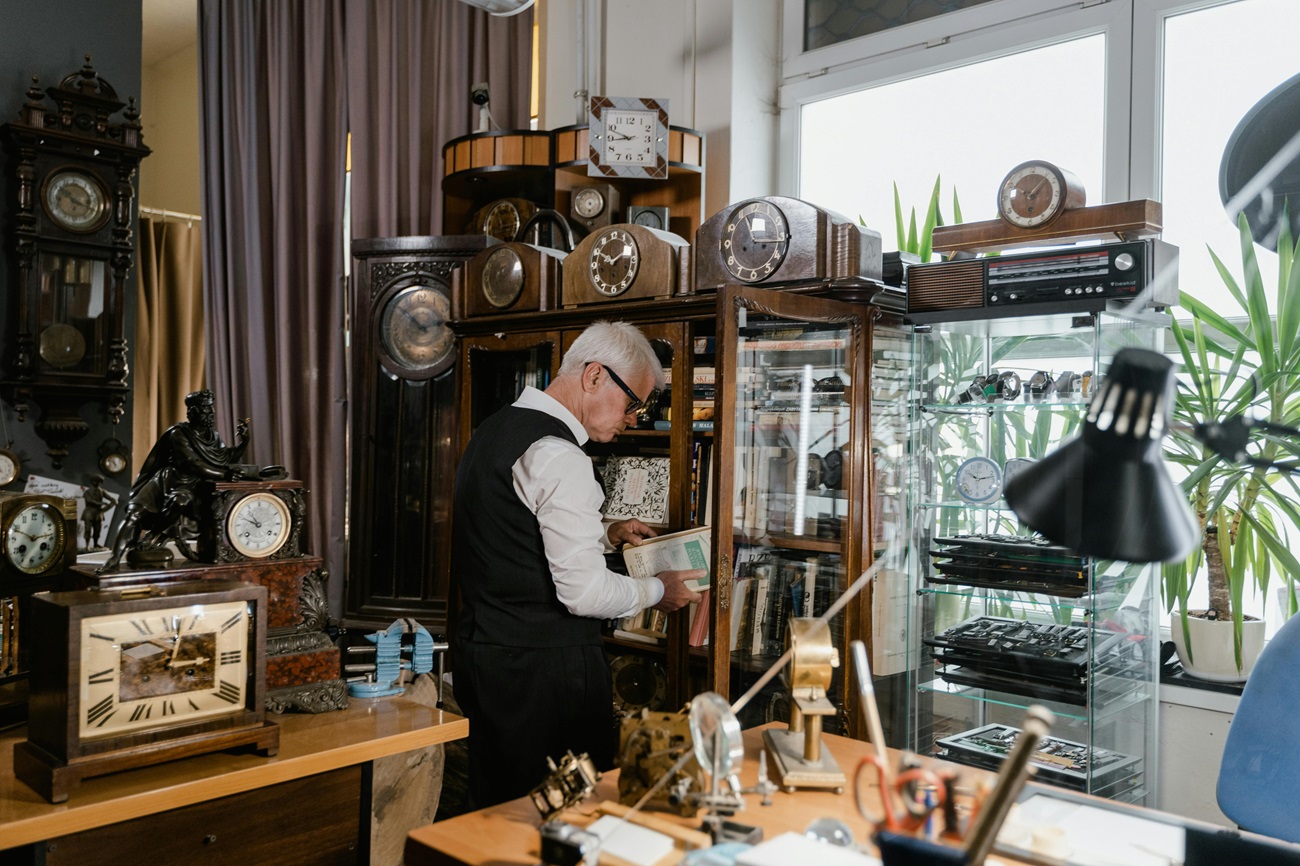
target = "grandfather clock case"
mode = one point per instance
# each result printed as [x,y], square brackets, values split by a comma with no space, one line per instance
[402,428]
[69,222]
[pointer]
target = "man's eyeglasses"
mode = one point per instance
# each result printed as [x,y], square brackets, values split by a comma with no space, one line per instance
[634,403]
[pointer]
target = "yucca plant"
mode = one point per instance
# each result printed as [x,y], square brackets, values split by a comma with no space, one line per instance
[920,242]
[1238,362]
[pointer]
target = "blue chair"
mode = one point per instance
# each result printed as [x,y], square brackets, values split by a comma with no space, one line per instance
[1259,777]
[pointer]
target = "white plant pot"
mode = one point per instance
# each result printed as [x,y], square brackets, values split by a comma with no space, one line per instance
[1212,655]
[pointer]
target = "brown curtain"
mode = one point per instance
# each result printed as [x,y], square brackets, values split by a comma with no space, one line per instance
[276,83]
[411,66]
[168,358]
[273,97]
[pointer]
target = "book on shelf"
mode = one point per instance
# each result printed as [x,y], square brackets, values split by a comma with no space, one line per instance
[637,487]
[763,577]
[695,425]
[741,592]
[673,551]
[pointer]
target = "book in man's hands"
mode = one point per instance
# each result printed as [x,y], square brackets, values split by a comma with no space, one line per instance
[673,551]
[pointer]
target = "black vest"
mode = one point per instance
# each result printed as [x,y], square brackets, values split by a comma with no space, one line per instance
[497,557]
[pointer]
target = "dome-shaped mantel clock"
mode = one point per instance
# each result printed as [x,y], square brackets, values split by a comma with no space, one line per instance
[73,168]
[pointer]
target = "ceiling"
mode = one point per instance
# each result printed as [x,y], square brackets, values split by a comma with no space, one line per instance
[169,26]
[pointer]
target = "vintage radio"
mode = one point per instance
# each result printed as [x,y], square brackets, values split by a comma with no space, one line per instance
[1070,280]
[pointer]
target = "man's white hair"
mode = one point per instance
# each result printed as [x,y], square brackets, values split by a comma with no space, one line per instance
[620,346]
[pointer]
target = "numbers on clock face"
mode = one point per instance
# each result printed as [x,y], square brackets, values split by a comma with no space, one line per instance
[414,328]
[503,278]
[615,259]
[75,201]
[755,241]
[159,667]
[258,525]
[979,480]
[630,137]
[34,537]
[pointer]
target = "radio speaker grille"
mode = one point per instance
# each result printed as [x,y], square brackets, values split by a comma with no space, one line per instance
[947,286]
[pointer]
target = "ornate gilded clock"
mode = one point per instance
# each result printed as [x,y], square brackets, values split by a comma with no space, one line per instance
[509,278]
[779,241]
[624,262]
[251,520]
[71,248]
[131,677]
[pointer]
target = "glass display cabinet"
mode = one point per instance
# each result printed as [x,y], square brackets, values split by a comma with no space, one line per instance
[1002,618]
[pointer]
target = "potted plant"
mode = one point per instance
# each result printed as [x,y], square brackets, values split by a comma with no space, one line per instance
[1236,363]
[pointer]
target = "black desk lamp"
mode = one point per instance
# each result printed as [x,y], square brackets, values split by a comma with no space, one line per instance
[1107,493]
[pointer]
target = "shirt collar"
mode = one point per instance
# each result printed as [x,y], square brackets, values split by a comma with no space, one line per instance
[532,398]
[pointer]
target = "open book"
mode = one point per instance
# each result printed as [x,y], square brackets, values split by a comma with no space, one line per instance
[673,551]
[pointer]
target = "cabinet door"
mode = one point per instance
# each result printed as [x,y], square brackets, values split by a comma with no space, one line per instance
[791,512]
[495,370]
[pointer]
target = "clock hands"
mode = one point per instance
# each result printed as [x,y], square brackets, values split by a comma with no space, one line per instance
[611,133]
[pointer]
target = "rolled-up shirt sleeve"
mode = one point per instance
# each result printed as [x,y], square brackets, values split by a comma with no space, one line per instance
[554,479]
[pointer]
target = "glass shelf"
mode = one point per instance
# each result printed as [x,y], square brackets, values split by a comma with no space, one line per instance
[1098,711]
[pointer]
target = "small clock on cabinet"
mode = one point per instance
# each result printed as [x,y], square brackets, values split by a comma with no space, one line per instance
[508,278]
[1036,193]
[650,216]
[594,205]
[502,218]
[624,262]
[251,520]
[774,240]
[38,535]
[136,676]
[628,137]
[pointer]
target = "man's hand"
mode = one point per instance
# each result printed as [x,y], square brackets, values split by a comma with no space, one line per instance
[241,429]
[631,532]
[676,594]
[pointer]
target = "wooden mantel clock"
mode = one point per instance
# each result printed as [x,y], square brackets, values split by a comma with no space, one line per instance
[73,170]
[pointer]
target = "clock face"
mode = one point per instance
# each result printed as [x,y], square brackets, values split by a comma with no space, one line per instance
[76,201]
[414,330]
[755,241]
[113,463]
[979,480]
[588,202]
[146,669]
[10,467]
[258,525]
[503,278]
[650,218]
[35,538]
[1014,467]
[62,345]
[614,261]
[502,221]
[1035,193]
[630,137]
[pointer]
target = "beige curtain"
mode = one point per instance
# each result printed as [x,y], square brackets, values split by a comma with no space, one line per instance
[169,356]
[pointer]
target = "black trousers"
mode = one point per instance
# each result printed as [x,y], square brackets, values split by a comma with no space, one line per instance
[525,704]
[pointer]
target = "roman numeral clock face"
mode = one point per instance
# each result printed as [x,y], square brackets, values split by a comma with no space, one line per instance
[163,667]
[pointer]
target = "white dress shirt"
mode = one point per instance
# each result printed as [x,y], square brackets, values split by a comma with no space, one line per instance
[554,479]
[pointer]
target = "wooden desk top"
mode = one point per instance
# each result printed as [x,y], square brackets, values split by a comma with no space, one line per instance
[507,834]
[309,744]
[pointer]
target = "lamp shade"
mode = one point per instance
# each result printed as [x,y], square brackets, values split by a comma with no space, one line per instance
[1107,493]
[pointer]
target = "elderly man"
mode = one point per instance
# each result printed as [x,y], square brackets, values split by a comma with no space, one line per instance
[528,558]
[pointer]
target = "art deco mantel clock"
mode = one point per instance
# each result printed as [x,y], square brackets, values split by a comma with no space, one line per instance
[70,218]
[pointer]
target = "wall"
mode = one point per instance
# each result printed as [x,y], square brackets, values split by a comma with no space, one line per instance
[170,178]
[716,61]
[49,39]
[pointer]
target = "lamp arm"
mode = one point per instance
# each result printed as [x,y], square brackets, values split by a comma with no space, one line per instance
[1228,439]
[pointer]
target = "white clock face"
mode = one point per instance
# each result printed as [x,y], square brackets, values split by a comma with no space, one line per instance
[979,480]
[34,538]
[163,667]
[588,202]
[614,261]
[630,137]
[8,467]
[258,525]
[75,201]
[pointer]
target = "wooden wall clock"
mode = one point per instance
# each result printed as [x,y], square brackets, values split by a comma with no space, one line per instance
[628,137]
[507,278]
[624,262]
[402,429]
[127,678]
[775,240]
[73,169]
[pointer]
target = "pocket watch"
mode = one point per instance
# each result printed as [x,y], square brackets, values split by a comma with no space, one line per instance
[10,467]
[75,201]
[37,532]
[978,480]
[112,457]
[413,330]
[125,678]
[1036,193]
[258,525]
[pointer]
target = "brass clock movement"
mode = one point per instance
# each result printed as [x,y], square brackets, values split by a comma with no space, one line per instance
[779,241]
[73,185]
[136,676]
[624,262]
[508,278]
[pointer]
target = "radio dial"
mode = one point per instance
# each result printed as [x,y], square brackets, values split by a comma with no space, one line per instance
[1124,262]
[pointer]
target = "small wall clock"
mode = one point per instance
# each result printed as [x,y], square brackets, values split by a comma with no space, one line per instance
[628,137]
[623,262]
[775,240]
[978,480]
[509,278]
[131,677]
